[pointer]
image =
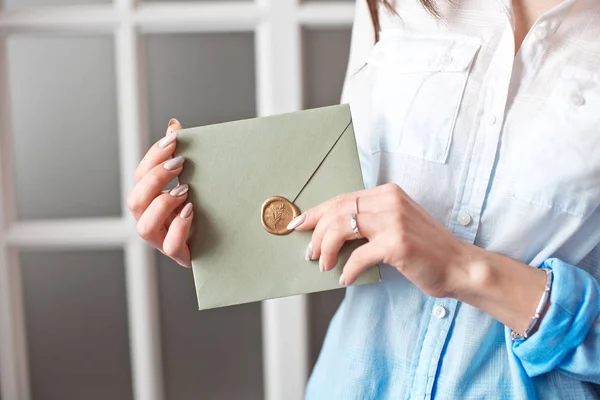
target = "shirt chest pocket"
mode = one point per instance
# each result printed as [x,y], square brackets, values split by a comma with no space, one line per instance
[417,92]
[559,165]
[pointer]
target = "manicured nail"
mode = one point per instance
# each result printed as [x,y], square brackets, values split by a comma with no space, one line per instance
[174,163]
[321,266]
[173,121]
[167,140]
[179,190]
[342,281]
[308,254]
[187,211]
[296,222]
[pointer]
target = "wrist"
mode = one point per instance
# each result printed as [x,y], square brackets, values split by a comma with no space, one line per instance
[506,289]
[471,273]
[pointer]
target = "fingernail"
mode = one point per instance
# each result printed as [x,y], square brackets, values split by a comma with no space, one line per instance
[187,211]
[174,163]
[321,266]
[167,140]
[173,121]
[308,254]
[179,190]
[296,222]
[342,281]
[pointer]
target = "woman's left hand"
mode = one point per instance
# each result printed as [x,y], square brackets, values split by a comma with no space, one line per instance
[400,234]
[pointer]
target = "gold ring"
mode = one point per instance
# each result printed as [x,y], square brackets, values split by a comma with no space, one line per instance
[354,226]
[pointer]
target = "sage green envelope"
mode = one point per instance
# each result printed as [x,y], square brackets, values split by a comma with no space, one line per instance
[307,157]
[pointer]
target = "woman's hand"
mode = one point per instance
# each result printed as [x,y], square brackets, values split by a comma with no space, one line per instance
[400,233]
[163,218]
[405,236]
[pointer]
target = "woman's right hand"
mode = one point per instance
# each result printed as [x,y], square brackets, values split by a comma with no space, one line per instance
[163,217]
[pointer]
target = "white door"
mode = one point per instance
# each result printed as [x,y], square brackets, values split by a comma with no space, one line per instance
[88,311]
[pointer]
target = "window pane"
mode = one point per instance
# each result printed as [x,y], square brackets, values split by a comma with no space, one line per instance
[199,79]
[210,354]
[325,60]
[12,4]
[76,321]
[64,124]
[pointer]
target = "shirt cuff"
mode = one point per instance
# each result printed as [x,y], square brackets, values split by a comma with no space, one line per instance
[574,305]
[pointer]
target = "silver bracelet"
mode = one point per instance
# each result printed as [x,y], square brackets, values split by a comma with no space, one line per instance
[541,306]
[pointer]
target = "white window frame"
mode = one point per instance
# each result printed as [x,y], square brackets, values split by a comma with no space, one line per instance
[277,25]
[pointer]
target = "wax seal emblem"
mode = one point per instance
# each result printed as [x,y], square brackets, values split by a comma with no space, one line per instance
[276,213]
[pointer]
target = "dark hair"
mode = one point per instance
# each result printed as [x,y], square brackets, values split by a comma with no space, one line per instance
[429,5]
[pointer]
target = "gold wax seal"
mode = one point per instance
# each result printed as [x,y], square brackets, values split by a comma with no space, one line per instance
[276,213]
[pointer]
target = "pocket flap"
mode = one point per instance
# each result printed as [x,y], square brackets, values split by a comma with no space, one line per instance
[416,53]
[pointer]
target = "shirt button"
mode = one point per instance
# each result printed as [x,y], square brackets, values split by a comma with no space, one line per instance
[577,100]
[541,33]
[464,218]
[439,312]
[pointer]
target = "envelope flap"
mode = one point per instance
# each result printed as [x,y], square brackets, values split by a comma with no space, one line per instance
[267,156]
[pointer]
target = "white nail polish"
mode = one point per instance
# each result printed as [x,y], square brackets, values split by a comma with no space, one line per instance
[342,280]
[174,163]
[173,121]
[187,211]
[167,140]
[321,266]
[296,222]
[308,254]
[179,190]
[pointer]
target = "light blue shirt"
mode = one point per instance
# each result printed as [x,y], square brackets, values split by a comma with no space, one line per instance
[503,150]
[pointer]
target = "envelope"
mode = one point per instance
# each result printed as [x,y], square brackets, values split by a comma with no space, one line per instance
[247,180]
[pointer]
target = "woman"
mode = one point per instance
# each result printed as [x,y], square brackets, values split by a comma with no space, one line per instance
[478,126]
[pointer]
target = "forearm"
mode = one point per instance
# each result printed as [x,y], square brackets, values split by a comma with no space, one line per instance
[567,336]
[506,289]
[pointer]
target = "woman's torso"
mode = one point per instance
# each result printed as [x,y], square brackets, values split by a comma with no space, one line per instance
[501,149]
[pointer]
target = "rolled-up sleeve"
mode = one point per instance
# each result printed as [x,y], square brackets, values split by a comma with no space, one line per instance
[568,337]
